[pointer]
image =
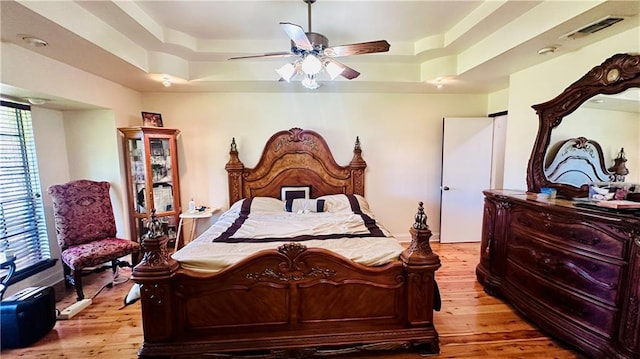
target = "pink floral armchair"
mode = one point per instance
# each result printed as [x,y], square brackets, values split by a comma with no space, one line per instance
[86,229]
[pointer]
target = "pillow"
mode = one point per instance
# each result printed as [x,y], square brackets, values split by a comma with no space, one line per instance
[133,295]
[339,203]
[266,205]
[336,203]
[304,205]
[291,192]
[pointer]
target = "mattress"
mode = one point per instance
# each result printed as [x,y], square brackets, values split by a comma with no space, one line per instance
[343,224]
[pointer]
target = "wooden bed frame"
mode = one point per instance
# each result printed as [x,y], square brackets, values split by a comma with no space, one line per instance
[292,301]
[577,161]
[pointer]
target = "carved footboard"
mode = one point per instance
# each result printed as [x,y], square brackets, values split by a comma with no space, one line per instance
[290,299]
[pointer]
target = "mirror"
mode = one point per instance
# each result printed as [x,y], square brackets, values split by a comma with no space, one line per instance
[603,106]
[610,122]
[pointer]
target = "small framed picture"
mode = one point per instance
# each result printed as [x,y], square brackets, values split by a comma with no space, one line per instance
[151,119]
[291,192]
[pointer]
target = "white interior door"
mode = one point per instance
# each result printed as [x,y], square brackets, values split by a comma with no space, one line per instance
[466,172]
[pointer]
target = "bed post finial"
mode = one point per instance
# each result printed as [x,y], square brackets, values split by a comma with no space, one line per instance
[156,261]
[357,161]
[419,251]
[233,145]
[234,168]
[421,218]
[357,166]
[421,264]
[619,169]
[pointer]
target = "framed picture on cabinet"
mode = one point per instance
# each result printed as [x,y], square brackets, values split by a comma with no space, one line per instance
[151,119]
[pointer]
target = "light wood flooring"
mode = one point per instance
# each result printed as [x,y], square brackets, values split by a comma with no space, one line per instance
[471,324]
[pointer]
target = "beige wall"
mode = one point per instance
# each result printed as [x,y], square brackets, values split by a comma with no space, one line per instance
[498,101]
[542,83]
[94,153]
[401,136]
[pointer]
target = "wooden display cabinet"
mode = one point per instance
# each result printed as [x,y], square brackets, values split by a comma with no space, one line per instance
[153,182]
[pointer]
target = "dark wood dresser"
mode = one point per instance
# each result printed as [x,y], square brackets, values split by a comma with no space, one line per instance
[574,272]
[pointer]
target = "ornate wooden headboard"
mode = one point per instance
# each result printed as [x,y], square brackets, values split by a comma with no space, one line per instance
[577,161]
[295,157]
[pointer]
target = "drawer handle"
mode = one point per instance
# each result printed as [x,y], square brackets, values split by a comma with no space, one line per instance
[588,241]
[584,274]
[548,264]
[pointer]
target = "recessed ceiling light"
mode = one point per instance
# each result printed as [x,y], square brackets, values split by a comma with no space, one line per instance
[34,41]
[439,81]
[166,81]
[547,50]
[37,101]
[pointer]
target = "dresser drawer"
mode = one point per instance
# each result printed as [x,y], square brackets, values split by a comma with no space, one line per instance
[589,276]
[597,318]
[598,238]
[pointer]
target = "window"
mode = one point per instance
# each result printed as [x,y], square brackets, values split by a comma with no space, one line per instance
[23,230]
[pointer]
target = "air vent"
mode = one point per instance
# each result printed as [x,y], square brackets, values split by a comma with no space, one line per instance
[593,27]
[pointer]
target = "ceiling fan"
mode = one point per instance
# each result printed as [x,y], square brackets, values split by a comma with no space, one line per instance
[315,54]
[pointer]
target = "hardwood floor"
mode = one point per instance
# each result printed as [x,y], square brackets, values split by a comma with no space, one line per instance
[471,324]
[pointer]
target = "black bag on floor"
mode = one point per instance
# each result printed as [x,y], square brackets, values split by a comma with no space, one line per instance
[27,316]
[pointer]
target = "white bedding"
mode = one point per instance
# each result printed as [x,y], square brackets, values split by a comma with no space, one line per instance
[268,226]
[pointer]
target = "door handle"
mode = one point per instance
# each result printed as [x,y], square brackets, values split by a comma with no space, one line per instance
[445,188]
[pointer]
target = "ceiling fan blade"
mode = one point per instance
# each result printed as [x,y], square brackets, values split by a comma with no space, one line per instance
[347,72]
[268,54]
[357,49]
[297,35]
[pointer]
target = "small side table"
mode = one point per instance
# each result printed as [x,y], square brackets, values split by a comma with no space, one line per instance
[194,217]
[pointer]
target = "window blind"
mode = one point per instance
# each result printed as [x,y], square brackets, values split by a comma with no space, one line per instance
[22,224]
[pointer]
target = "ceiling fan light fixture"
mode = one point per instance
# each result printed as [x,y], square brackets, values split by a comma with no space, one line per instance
[334,70]
[309,82]
[314,54]
[287,72]
[311,65]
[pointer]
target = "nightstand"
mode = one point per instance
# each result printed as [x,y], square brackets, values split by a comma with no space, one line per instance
[195,217]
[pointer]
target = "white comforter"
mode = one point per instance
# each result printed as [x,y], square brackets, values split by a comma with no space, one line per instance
[269,226]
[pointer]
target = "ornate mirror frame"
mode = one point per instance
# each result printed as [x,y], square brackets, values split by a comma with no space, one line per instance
[616,74]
